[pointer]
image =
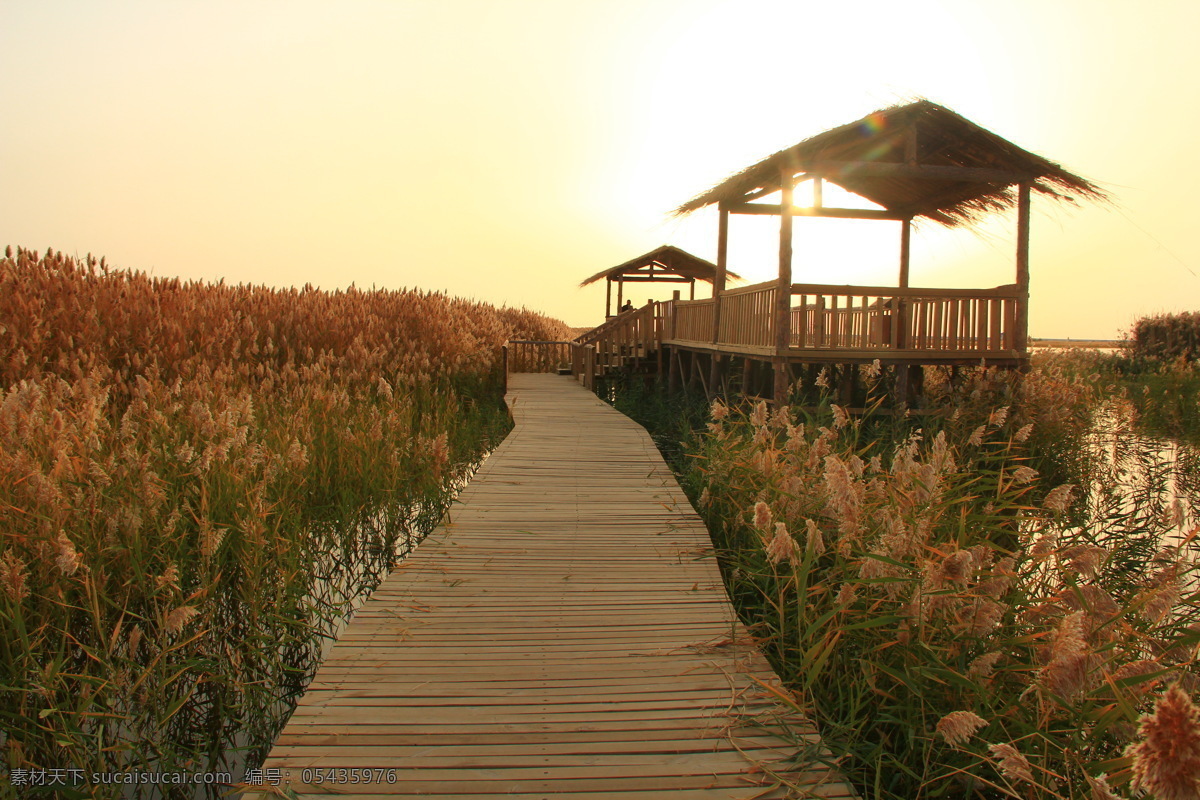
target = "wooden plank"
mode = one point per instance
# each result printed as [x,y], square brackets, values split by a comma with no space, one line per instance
[564,632]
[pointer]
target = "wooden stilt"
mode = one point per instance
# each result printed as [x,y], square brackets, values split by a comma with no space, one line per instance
[847,380]
[916,385]
[717,372]
[703,380]
[901,385]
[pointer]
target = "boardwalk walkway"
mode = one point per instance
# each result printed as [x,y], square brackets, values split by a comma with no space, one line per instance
[565,634]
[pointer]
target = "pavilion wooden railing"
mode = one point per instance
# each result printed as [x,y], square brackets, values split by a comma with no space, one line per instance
[880,318]
[855,318]
[626,338]
[748,315]
[693,320]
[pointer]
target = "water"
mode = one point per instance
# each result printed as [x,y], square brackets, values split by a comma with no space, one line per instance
[343,583]
[1141,498]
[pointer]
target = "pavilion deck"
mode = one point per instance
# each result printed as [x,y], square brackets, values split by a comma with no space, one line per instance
[828,324]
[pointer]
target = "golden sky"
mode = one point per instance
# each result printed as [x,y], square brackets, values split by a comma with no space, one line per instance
[507,149]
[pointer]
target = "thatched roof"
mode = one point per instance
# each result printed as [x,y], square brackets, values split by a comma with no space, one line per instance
[961,170]
[661,264]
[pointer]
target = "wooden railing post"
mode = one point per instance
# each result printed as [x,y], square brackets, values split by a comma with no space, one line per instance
[669,329]
[504,368]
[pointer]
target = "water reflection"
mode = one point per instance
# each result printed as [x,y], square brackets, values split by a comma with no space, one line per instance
[359,554]
[1142,488]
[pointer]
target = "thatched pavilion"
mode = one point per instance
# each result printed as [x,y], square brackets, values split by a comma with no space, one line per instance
[918,160]
[665,264]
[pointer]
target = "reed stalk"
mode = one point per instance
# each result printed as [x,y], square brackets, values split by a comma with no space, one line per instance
[197,482]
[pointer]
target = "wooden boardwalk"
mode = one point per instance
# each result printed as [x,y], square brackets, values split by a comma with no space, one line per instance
[565,634]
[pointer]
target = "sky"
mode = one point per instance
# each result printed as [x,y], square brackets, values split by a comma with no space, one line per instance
[505,151]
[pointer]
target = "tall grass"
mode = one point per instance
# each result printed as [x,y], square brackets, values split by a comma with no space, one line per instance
[957,619]
[1165,391]
[1167,336]
[195,482]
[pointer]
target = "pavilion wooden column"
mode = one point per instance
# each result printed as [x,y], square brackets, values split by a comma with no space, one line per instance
[1021,335]
[718,361]
[783,290]
[608,298]
[620,294]
[907,377]
[901,320]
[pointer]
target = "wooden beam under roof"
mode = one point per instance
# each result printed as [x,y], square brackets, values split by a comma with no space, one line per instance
[874,169]
[656,278]
[837,213]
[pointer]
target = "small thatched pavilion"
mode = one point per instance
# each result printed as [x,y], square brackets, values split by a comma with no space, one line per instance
[918,160]
[666,264]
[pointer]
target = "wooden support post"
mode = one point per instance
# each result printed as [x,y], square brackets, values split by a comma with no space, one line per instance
[916,385]
[607,298]
[700,374]
[901,385]
[847,381]
[673,371]
[783,292]
[714,377]
[716,372]
[723,245]
[620,294]
[901,320]
[1022,332]
[658,349]
[747,375]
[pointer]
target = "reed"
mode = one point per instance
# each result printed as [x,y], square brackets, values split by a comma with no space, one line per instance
[956,619]
[196,483]
[1167,336]
[1164,392]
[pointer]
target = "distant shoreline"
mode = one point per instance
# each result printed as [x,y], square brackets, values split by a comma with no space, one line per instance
[1117,344]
